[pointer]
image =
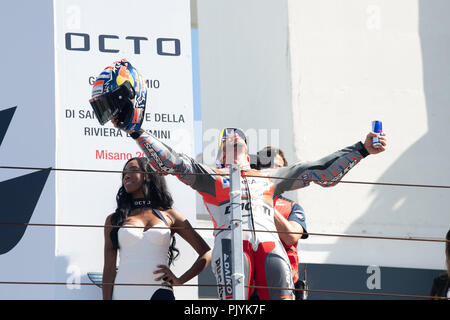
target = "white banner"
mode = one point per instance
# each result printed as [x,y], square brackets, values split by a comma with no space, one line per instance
[154,36]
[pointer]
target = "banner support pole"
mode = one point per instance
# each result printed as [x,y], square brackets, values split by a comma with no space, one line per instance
[238,276]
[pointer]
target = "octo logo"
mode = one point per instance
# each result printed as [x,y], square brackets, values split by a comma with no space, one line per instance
[82,42]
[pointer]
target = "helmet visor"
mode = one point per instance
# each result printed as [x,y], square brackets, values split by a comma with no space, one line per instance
[109,104]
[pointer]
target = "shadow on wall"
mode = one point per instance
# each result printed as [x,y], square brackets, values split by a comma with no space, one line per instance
[413,210]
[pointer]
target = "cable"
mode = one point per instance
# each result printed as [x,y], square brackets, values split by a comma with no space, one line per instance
[222,285]
[223,174]
[356,293]
[221,229]
[93,284]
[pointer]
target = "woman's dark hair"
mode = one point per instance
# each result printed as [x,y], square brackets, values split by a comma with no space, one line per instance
[154,189]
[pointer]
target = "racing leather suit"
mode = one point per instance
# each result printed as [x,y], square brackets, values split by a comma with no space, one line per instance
[266,263]
[292,211]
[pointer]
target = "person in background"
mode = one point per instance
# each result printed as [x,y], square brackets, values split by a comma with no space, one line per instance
[142,231]
[441,284]
[289,217]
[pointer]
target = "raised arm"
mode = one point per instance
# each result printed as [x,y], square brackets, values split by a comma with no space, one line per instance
[327,171]
[167,161]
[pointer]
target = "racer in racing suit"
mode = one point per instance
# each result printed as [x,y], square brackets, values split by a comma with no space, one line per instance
[266,263]
[289,219]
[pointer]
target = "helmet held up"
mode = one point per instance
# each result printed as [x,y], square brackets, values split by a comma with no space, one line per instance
[120,90]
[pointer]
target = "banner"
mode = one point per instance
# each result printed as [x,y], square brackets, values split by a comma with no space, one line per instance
[154,36]
[47,122]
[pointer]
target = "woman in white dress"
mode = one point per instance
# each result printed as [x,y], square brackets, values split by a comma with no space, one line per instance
[142,231]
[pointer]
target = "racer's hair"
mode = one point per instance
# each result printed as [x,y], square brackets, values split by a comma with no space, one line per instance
[154,189]
[267,155]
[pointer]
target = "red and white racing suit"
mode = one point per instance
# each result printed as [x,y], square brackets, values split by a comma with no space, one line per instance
[266,263]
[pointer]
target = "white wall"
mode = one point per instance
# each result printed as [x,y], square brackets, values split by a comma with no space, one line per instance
[244,72]
[321,71]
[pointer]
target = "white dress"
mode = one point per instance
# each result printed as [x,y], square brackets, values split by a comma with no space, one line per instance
[140,253]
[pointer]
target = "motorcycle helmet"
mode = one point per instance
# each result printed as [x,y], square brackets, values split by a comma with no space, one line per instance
[120,90]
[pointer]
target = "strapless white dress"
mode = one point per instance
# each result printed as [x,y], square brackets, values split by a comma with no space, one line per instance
[139,255]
